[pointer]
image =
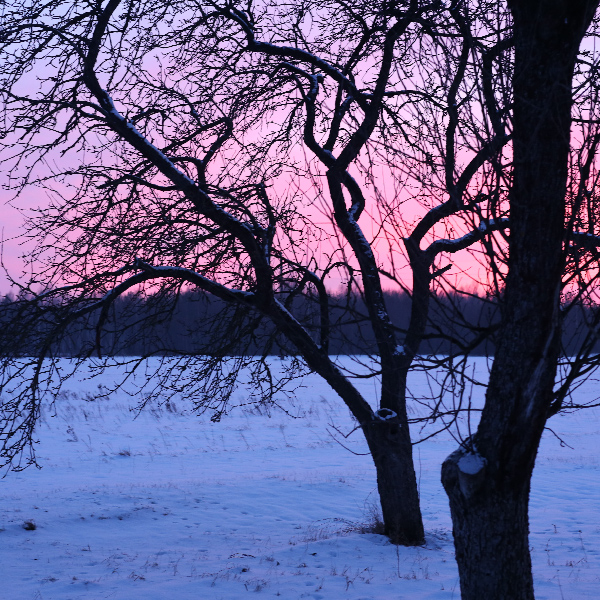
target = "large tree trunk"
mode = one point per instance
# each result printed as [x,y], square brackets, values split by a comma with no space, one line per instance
[488,480]
[493,560]
[391,449]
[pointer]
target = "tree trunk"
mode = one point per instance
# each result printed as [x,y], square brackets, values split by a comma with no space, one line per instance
[391,449]
[388,438]
[487,480]
[491,531]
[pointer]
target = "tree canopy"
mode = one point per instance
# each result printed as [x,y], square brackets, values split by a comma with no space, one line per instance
[266,152]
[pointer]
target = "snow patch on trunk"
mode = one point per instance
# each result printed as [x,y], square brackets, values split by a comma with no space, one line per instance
[471,463]
[385,414]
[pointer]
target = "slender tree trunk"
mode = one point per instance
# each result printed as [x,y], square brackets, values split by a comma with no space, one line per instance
[388,438]
[391,449]
[487,480]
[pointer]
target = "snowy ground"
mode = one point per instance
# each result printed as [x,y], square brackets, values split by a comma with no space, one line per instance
[170,505]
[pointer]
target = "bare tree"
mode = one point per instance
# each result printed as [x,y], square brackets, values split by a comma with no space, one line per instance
[186,119]
[204,142]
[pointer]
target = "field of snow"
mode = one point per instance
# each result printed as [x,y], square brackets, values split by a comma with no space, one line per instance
[260,505]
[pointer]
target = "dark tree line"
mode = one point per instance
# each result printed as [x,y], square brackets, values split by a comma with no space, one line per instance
[140,325]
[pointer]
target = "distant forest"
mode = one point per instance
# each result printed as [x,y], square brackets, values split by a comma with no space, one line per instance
[198,323]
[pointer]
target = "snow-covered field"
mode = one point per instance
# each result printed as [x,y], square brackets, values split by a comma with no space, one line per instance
[169,505]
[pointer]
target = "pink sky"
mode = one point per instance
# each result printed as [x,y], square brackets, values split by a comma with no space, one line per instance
[465,267]
[11,226]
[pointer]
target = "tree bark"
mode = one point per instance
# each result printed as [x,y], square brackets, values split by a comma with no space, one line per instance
[488,479]
[491,534]
[389,442]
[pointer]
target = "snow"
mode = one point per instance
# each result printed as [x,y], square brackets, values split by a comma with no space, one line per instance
[471,463]
[119,117]
[261,505]
[483,227]
[385,414]
[169,270]
[587,239]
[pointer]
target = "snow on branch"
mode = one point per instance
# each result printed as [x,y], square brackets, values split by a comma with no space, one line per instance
[255,45]
[208,285]
[468,239]
[587,241]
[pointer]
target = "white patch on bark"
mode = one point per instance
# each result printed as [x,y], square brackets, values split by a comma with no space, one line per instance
[385,414]
[471,470]
[471,464]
